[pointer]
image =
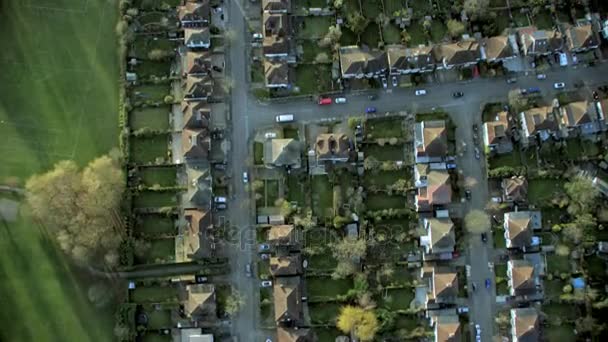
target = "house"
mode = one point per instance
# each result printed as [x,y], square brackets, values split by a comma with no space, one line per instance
[446,327]
[200,302]
[581,38]
[430,141]
[194,14]
[276,74]
[195,144]
[283,235]
[499,48]
[276,6]
[441,284]
[461,54]
[519,227]
[282,153]
[287,301]
[197,115]
[525,323]
[295,335]
[538,122]
[497,134]
[197,38]
[579,117]
[402,60]
[439,236]
[539,42]
[198,88]
[437,192]
[333,147]
[194,335]
[196,63]
[275,25]
[188,242]
[523,280]
[199,191]
[515,189]
[356,62]
[289,265]
[275,47]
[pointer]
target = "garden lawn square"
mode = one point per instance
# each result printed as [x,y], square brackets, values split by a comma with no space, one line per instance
[325,262]
[267,314]
[564,311]
[162,176]
[420,8]
[147,149]
[325,287]
[371,35]
[512,159]
[150,92]
[142,46]
[557,263]
[371,8]
[161,251]
[154,337]
[391,6]
[296,189]
[384,128]
[553,288]
[541,191]
[544,20]
[438,31]
[155,4]
[391,34]
[384,153]
[382,201]
[272,192]
[384,178]
[396,299]
[315,27]
[562,333]
[153,294]
[323,313]
[155,199]
[154,118]
[152,225]
[322,196]
[348,37]
[327,334]
[158,319]
[312,50]
[145,69]
[318,81]
[258,153]
[417,35]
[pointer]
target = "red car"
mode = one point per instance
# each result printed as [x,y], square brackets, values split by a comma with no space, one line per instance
[324,101]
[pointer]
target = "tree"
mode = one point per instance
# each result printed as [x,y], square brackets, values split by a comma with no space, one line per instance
[405,37]
[477,222]
[168,99]
[573,233]
[99,294]
[306,221]
[349,249]
[234,302]
[476,8]
[322,57]
[158,54]
[356,22]
[371,163]
[338,4]
[362,323]
[333,35]
[257,185]
[562,250]
[80,208]
[582,195]
[455,28]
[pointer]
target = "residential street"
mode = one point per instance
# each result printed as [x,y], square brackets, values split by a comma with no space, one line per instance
[248,113]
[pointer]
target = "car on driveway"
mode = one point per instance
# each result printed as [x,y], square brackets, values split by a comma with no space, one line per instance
[511,80]
[266,283]
[541,76]
[245,177]
[477,329]
[370,110]
[394,81]
[372,97]
[384,83]
[339,100]
[484,237]
[457,94]
[264,247]
[467,194]
[488,283]
[559,85]
[248,270]
[477,153]
[323,101]
[420,92]
[474,286]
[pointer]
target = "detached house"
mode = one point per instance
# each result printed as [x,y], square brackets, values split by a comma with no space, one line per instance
[519,227]
[430,141]
[514,189]
[538,122]
[402,60]
[446,328]
[581,38]
[195,144]
[497,134]
[200,302]
[523,279]
[356,62]
[436,192]
[439,237]
[275,25]
[198,88]
[188,242]
[197,38]
[194,14]
[461,54]
[288,301]
[283,235]
[441,284]
[579,118]
[499,48]
[199,191]
[276,47]
[196,115]
[276,74]
[276,6]
[282,153]
[539,42]
[282,266]
[334,148]
[525,324]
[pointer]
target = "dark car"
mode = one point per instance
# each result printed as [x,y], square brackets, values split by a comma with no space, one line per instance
[474,286]
[217,68]
[200,279]
[370,110]
[511,80]
[467,194]
[488,283]
[372,97]
[484,237]
[457,94]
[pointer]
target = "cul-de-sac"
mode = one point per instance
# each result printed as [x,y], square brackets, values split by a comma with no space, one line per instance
[303,170]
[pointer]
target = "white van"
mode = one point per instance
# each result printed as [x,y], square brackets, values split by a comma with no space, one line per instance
[284,118]
[219,199]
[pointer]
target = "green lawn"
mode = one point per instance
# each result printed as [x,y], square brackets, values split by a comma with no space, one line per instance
[556,263]
[323,313]
[391,34]
[323,196]
[371,8]
[156,118]
[258,153]
[371,35]
[327,334]
[384,178]
[141,46]
[272,192]
[396,299]
[58,100]
[160,251]
[150,92]
[438,31]
[159,319]
[348,37]
[544,20]
[154,225]
[420,7]
[384,128]
[382,201]
[153,337]
[563,311]
[317,81]
[541,191]
[562,333]
[315,27]
[327,287]
[155,199]
[163,176]
[553,288]
[508,159]
[322,262]
[153,294]
[146,68]
[312,49]
[148,149]
[296,189]
[384,153]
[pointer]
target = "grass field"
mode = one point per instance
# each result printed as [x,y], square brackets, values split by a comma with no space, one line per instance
[156,118]
[154,225]
[58,100]
[163,176]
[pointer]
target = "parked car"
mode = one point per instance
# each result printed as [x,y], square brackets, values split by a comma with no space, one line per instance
[488,283]
[462,309]
[541,76]
[420,92]
[467,194]
[221,206]
[219,166]
[265,256]
[395,81]
[559,85]
[372,97]
[457,94]
[270,135]
[468,270]
[257,35]
[284,118]
[474,286]
[323,101]
[533,90]
[511,80]
[340,100]
[263,247]
[245,177]
[370,110]
[477,153]
[384,83]
[200,279]
[484,237]
[491,266]
[248,270]
[266,283]
[475,128]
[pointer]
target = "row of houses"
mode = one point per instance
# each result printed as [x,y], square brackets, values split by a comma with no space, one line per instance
[575,119]
[357,62]
[194,19]
[276,42]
